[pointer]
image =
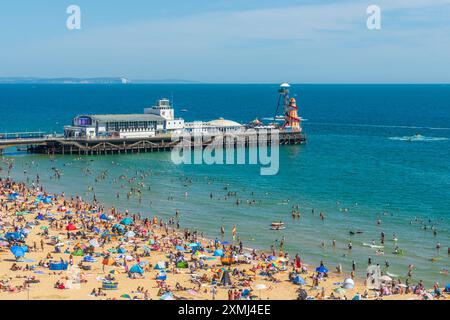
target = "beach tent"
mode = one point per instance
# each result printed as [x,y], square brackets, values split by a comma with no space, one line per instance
[126,221]
[121,250]
[447,288]
[322,269]
[118,228]
[71,227]
[17,251]
[160,265]
[39,217]
[103,217]
[109,285]
[58,266]
[88,259]
[94,243]
[14,236]
[137,269]
[13,196]
[182,264]
[302,294]
[78,253]
[47,200]
[298,280]
[25,232]
[162,276]
[108,261]
[218,253]
[348,284]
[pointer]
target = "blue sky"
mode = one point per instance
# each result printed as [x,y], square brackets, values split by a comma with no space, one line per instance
[305,41]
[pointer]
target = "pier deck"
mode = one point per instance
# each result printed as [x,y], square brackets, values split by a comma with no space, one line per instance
[103,146]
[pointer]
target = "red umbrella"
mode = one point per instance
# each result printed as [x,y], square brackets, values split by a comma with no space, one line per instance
[70,227]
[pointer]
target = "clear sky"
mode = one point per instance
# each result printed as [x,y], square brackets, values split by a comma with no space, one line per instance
[304,41]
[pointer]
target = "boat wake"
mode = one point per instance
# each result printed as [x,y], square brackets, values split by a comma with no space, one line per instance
[418,137]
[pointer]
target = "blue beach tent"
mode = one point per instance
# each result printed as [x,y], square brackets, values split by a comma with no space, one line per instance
[218,253]
[88,259]
[13,236]
[17,251]
[58,266]
[103,217]
[126,221]
[137,269]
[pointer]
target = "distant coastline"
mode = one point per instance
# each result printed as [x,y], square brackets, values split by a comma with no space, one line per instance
[97,80]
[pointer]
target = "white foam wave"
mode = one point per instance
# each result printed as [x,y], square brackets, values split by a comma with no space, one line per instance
[418,137]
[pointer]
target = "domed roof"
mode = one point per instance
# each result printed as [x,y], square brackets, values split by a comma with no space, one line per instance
[221,122]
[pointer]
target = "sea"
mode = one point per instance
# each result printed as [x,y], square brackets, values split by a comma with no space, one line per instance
[377,159]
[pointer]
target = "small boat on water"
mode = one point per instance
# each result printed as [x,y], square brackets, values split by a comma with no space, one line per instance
[277,226]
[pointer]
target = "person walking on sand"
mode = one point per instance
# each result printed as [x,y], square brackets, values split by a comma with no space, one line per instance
[214,292]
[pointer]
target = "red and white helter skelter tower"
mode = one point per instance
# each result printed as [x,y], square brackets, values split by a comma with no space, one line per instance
[292,122]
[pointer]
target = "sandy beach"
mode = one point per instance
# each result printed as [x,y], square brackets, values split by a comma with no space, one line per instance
[116,255]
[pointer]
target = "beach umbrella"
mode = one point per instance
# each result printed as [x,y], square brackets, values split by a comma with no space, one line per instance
[193,244]
[43,228]
[17,251]
[218,253]
[121,250]
[126,221]
[130,234]
[71,227]
[322,269]
[272,258]
[180,248]
[385,278]
[349,283]
[298,280]
[125,296]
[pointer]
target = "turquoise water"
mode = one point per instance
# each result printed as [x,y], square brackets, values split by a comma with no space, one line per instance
[358,157]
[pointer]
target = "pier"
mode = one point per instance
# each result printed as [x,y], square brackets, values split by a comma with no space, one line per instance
[47,144]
